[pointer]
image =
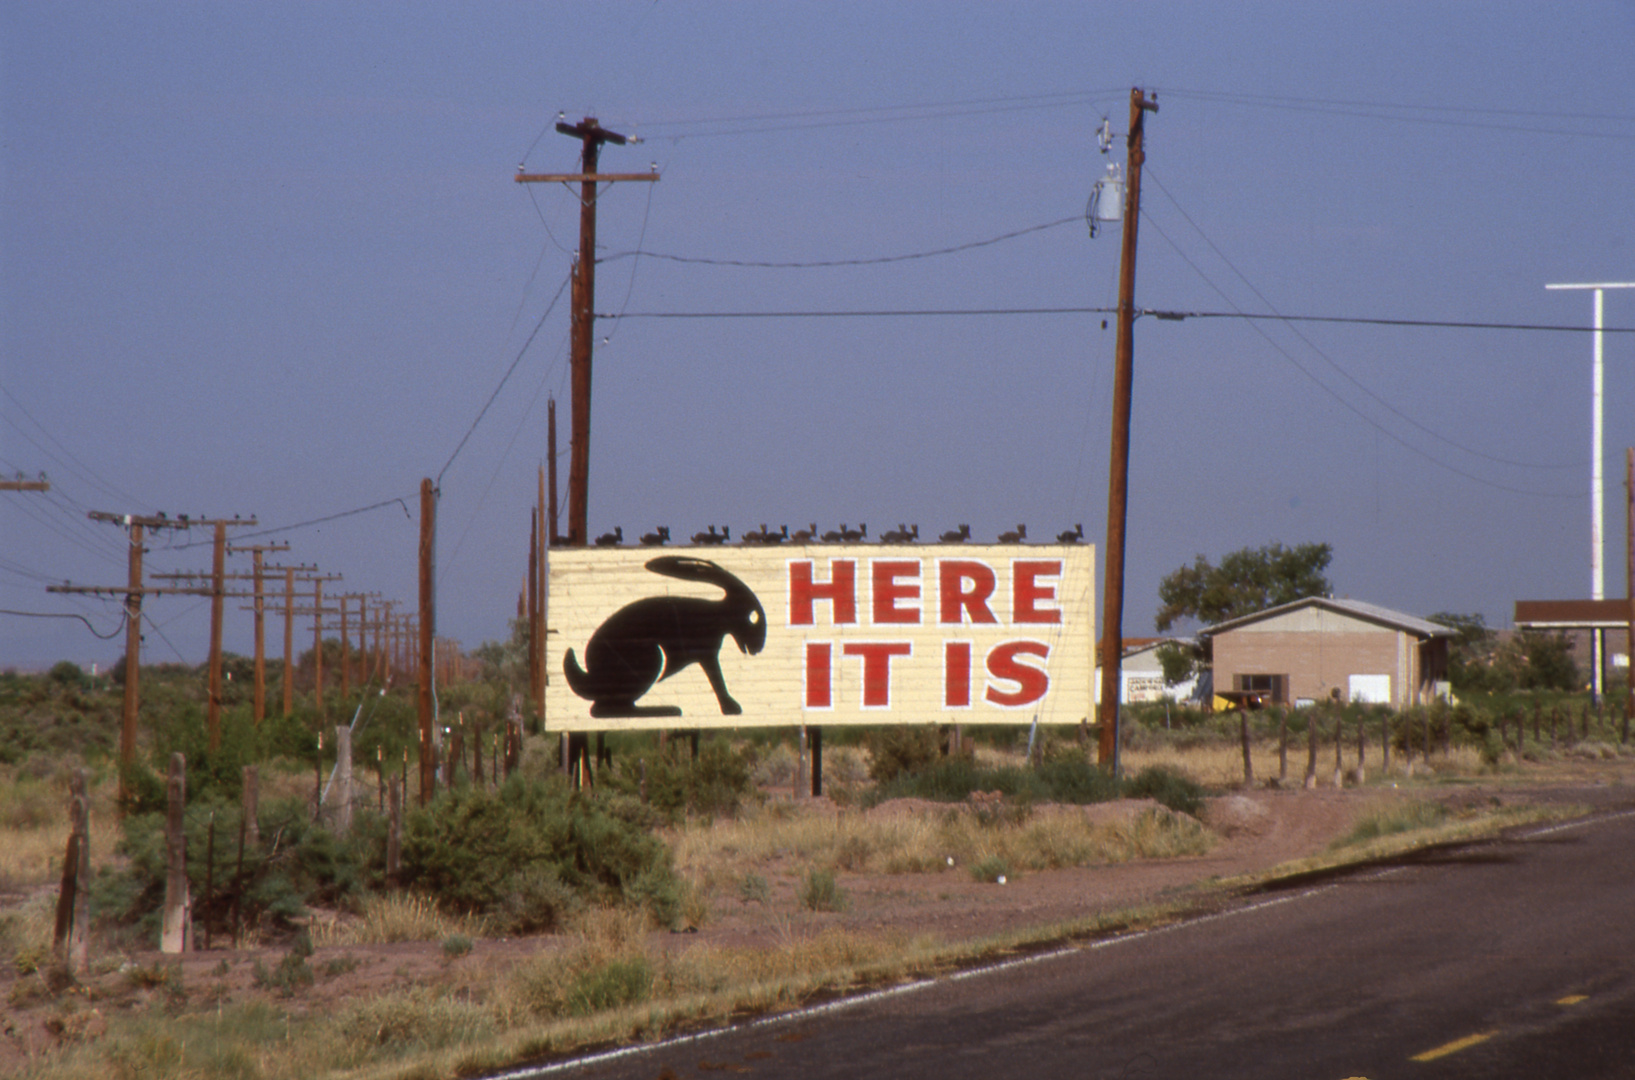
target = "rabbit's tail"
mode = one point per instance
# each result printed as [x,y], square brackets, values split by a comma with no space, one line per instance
[578,678]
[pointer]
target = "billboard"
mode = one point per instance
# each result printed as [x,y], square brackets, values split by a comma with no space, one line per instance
[781,635]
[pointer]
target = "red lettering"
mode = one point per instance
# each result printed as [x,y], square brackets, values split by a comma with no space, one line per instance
[840,590]
[959,603]
[1031,682]
[887,591]
[1028,592]
[956,674]
[817,675]
[876,657]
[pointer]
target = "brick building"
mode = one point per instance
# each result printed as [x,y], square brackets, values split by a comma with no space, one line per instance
[1310,649]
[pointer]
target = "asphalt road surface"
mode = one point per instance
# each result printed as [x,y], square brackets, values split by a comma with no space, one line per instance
[1514,957]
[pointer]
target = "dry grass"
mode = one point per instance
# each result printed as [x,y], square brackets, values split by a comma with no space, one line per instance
[390,918]
[34,828]
[716,858]
[1221,766]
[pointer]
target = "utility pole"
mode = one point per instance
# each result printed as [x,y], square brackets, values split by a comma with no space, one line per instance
[591,136]
[428,630]
[550,424]
[20,484]
[257,554]
[1112,632]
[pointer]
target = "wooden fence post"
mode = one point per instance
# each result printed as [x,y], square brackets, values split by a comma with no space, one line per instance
[1339,739]
[1282,747]
[1248,761]
[79,934]
[343,779]
[1311,747]
[252,807]
[1362,752]
[174,936]
[394,830]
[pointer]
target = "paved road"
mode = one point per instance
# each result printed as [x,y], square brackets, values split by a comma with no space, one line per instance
[1507,958]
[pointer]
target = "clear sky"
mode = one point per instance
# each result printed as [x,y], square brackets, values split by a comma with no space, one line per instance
[269,259]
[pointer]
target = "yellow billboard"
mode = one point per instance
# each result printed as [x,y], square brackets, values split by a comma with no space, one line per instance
[777,635]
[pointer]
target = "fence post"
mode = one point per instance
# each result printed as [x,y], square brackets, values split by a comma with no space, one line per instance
[174,934]
[66,893]
[1311,748]
[1248,761]
[1282,747]
[1362,753]
[79,934]
[1339,739]
[394,830]
[343,779]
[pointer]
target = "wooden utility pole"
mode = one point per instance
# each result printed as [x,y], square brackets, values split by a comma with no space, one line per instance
[1629,578]
[257,555]
[428,628]
[1112,621]
[591,136]
[550,438]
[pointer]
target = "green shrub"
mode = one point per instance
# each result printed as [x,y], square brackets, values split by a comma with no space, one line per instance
[610,985]
[896,750]
[715,784]
[819,892]
[991,869]
[1168,788]
[456,945]
[529,852]
[297,863]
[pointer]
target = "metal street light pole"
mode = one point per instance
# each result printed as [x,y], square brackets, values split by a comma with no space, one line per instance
[1597,483]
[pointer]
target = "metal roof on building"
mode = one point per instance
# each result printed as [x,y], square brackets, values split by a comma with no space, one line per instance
[1359,609]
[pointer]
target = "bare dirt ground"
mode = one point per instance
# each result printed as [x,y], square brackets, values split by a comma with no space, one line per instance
[1257,830]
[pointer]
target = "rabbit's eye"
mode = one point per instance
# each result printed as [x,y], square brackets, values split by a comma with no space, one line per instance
[754,617]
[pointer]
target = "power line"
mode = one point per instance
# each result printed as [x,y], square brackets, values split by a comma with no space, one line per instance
[307,524]
[1353,380]
[508,371]
[874,261]
[67,615]
[1157,313]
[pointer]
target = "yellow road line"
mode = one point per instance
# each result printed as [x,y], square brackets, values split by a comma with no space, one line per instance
[1454,1047]
[1572,999]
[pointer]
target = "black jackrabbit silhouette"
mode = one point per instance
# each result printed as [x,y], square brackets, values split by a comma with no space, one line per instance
[653,638]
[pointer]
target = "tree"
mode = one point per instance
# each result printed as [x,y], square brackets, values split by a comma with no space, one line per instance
[1246,581]
[1470,651]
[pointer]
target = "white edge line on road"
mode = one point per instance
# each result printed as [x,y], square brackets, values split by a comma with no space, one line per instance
[531,1071]
[1581,823]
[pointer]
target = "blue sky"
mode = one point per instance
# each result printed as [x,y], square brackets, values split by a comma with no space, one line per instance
[270,260]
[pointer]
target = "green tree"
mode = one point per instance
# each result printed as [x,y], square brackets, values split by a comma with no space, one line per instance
[1246,581]
[1470,651]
